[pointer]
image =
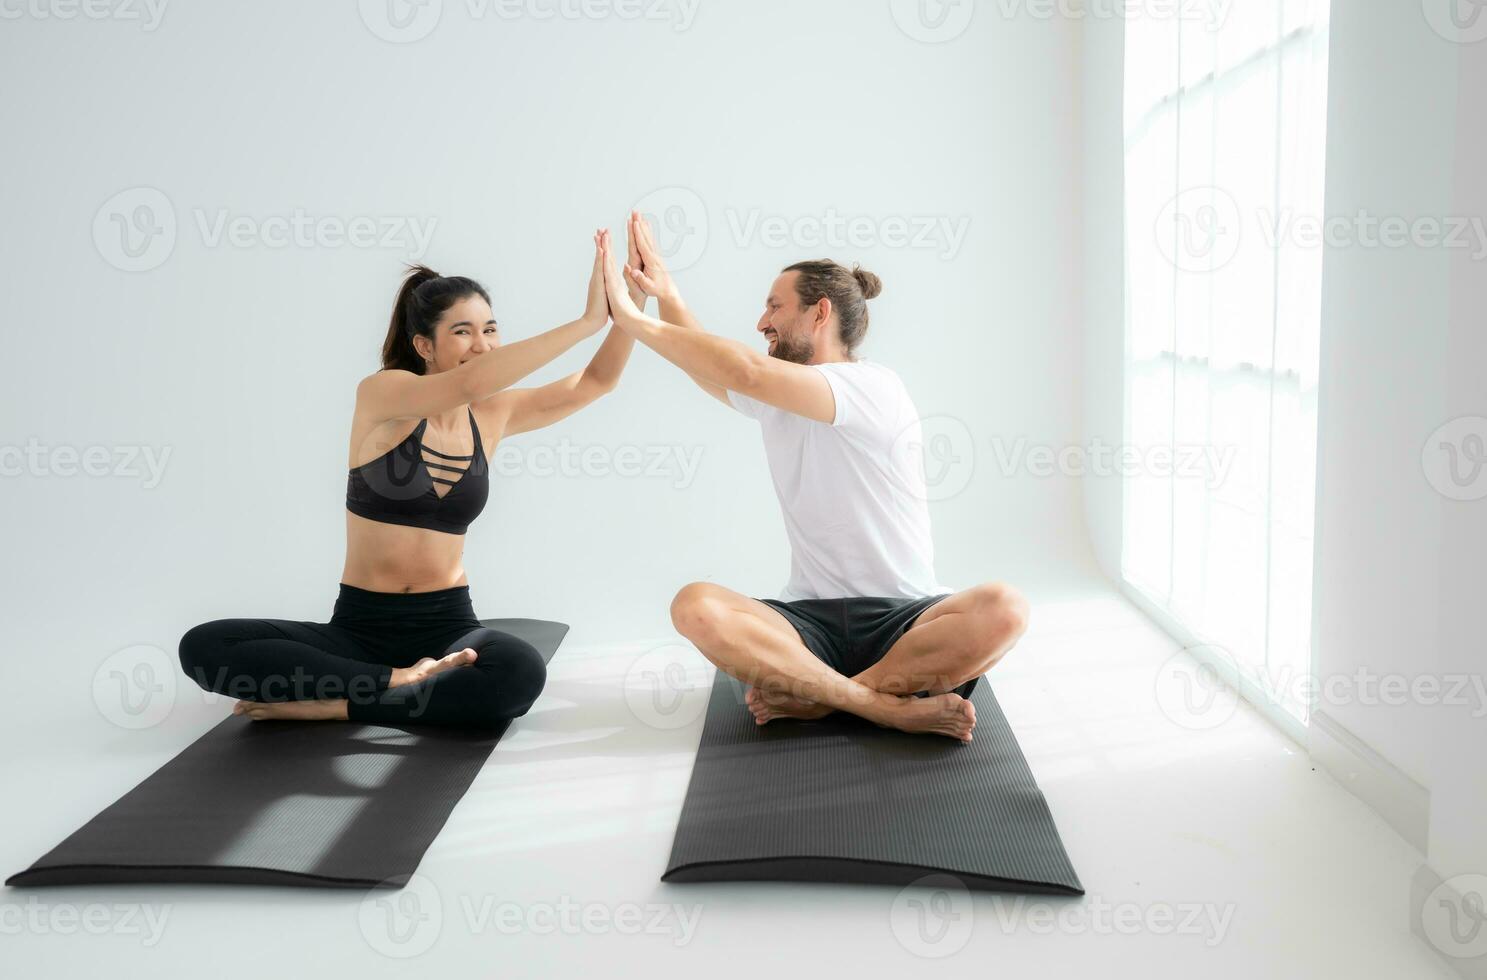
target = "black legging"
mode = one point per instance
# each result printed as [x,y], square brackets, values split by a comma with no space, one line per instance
[352,657]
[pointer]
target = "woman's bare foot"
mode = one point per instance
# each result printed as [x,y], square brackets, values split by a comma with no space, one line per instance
[428,667]
[766,708]
[292,710]
[942,714]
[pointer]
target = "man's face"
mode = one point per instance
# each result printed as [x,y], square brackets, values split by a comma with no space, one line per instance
[787,326]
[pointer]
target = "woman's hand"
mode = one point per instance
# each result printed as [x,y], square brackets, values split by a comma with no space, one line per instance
[624,310]
[646,269]
[596,312]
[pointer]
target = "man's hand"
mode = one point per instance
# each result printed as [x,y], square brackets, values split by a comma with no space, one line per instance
[646,269]
[633,260]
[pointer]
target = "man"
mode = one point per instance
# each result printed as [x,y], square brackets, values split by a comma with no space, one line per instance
[862,625]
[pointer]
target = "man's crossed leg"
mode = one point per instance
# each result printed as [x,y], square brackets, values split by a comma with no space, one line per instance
[954,640]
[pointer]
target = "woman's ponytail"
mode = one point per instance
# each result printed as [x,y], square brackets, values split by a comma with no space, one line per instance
[422,299]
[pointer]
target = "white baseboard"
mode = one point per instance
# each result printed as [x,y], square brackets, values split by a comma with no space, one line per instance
[1401,801]
[1455,928]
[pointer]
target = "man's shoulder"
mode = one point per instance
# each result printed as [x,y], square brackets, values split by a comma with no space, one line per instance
[871,372]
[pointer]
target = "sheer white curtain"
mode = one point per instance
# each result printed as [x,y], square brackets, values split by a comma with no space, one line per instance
[1225,121]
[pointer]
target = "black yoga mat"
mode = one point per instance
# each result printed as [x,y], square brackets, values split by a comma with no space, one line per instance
[842,800]
[287,803]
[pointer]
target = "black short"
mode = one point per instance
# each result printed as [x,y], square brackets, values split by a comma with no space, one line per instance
[850,635]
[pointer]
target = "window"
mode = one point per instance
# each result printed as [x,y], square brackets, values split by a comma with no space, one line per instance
[1225,122]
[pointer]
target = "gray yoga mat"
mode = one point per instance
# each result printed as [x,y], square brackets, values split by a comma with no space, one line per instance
[287,803]
[842,800]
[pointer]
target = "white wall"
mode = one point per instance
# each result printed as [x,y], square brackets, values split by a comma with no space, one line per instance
[1385,345]
[516,137]
[1458,781]
[1103,280]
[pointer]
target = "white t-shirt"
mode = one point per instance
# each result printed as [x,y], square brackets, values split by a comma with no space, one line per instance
[852,491]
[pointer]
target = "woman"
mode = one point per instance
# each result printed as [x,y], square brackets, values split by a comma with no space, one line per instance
[403,644]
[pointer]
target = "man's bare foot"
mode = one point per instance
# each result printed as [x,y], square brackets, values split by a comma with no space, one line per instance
[428,667]
[766,708]
[292,710]
[941,714]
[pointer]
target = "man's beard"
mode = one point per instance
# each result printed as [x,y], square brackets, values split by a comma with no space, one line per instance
[798,351]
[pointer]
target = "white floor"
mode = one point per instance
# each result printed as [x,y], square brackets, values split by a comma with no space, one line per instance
[1219,853]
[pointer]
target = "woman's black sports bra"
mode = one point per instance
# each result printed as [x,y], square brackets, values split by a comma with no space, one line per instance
[398,487]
